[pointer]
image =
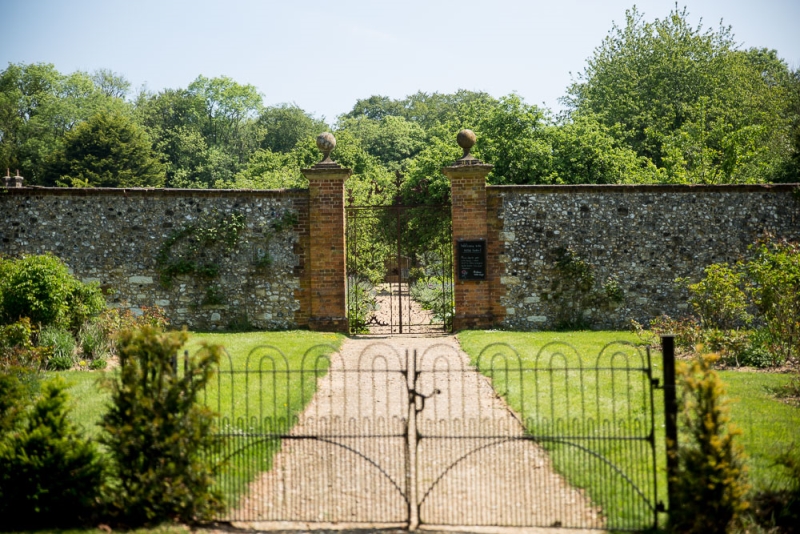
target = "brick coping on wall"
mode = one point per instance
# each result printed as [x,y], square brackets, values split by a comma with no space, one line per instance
[150,191]
[646,188]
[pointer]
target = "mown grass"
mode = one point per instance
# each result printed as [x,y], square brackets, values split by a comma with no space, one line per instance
[575,392]
[768,426]
[247,403]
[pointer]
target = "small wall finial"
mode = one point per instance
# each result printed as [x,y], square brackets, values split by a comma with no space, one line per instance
[12,181]
[466,140]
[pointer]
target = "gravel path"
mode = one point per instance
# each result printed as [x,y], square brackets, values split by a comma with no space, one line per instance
[358,457]
[396,308]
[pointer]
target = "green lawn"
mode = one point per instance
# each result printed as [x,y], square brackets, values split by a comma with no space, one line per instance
[552,390]
[768,425]
[258,391]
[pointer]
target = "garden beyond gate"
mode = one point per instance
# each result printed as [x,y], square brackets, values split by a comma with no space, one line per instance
[384,438]
[399,269]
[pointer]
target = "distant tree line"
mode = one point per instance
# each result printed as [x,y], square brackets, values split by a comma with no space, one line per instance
[658,102]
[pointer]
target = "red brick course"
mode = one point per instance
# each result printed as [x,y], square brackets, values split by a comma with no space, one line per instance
[326,252]
[473,298]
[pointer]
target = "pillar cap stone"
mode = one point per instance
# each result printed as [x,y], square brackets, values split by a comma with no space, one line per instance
[467,164]
[12,181]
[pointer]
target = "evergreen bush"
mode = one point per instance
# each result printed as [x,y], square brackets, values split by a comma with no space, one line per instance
[50,476]
[710,486]
[157,435]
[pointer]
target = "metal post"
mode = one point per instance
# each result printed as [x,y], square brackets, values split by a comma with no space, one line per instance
[399,275]
[670,413]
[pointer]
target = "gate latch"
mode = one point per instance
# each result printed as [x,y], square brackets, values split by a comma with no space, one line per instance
[418,399]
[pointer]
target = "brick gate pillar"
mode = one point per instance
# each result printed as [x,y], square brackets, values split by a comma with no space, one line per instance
[326,220]
[468,193]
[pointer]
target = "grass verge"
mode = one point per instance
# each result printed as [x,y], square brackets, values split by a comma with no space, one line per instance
[264,383]
[769,427]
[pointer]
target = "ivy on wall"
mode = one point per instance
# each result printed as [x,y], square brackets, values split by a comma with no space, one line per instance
[196,248]
[287,220]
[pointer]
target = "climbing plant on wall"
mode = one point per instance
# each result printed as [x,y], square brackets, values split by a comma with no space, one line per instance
[196,248]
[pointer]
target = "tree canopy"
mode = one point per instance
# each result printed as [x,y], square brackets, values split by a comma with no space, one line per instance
[659,101]
[689,100]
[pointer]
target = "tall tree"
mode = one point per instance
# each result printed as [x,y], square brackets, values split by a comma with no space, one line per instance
[38,106]
[392,139]
[284,125]
[108,150]
[688,99]
[229,112]
[110,83]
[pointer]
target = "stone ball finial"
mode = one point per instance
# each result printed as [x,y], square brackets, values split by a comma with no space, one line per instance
[466,140]
[326,142]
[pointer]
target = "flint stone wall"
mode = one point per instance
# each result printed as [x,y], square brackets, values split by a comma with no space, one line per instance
[644,236]
[113,236]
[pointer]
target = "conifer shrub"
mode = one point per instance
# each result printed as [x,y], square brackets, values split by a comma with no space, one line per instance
[50,476]
[710,487]
[156,434]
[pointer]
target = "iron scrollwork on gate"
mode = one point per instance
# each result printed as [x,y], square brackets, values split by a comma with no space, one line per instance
[391,439]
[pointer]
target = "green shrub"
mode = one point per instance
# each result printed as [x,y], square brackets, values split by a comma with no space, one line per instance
[774,270]
[429,288]
[41,288]
[156,433]
[760,351]
[574,286]
[49,475]
[61,345]
[17,349]
[13,397]
[112,321]
[719,299]
[768,282]
[16,335]
[361,294]
[687,331]
[98,364]
[709,486]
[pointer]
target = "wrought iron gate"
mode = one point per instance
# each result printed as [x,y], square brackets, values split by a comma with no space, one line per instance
[390,439]
[399,269]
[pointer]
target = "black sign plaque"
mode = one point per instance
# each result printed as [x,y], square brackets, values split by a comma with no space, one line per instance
[471,260]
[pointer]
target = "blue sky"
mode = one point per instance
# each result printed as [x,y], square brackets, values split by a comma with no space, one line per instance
[323,56]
